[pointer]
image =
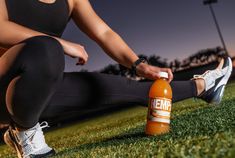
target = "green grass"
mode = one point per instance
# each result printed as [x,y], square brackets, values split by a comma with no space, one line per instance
[197,130]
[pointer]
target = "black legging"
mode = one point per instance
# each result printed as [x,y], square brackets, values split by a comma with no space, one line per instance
[35,86]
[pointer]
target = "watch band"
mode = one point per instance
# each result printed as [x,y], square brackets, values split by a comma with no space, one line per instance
[136,63]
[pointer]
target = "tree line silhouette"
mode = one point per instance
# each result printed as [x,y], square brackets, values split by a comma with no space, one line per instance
[202,57]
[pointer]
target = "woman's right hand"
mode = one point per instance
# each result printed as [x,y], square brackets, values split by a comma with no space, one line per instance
[152,72]
[75,51]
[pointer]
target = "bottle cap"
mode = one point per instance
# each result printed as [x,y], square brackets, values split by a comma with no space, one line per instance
[163,74]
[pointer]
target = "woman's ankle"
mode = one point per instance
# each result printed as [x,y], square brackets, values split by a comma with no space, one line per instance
[200,83]
[19,128]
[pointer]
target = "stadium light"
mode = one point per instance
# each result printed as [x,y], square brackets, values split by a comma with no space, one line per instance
[209,3]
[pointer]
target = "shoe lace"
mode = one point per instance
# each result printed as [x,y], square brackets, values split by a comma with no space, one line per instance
[212,74]
[35,140]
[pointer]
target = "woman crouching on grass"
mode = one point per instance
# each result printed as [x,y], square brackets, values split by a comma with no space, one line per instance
[33,84]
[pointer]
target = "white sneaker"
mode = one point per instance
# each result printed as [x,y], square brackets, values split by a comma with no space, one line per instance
[30,143]
[215,81]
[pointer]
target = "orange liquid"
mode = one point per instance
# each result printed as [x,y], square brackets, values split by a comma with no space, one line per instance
[160,89]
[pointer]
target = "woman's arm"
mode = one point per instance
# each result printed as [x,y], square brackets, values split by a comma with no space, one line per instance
[9,38]
[91,24]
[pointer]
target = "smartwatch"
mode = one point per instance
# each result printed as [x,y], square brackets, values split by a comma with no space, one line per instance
[136,63]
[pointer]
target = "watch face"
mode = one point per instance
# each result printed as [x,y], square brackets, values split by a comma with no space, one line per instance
[137,62]
[143,60]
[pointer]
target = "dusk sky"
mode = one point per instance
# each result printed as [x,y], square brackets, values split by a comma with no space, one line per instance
[168,28]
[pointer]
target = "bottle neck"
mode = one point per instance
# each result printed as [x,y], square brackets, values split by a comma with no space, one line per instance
[163,78]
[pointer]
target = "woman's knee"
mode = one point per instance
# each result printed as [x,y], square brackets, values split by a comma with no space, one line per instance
[44,55]
[45,46]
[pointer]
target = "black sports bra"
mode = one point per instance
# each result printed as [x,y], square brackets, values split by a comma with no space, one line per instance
[43,17]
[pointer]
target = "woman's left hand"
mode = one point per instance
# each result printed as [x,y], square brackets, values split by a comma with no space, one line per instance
[152,72]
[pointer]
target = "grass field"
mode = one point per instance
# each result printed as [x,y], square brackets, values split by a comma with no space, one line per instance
[198,130]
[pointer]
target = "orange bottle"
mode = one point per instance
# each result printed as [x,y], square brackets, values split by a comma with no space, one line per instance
[159,108]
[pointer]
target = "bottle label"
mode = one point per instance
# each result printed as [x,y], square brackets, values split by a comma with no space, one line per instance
[159,110]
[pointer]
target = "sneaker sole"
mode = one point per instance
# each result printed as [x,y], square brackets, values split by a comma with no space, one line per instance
[46,155]
[218,96]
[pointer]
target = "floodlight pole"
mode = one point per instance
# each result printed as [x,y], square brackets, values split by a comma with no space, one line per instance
[209,2]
